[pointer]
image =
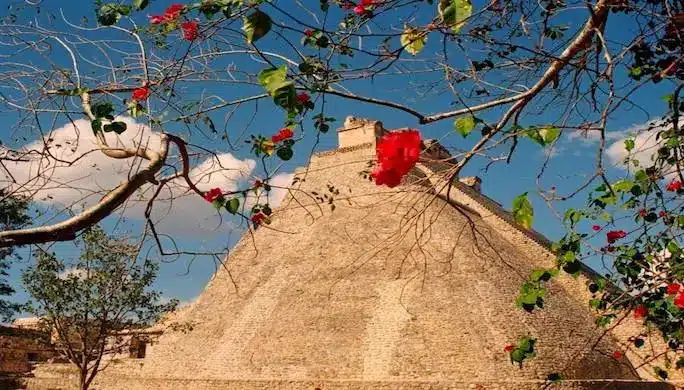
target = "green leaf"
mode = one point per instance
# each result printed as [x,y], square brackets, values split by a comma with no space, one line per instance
[522,211]
[464,125]
[256,25]
[549,134]
[623,185]
[233,205]
[140,5]
[117,127]
[413,40]
[273,79]
[103,109]
[285,153]
[454,12]
[629,144]
[96,125]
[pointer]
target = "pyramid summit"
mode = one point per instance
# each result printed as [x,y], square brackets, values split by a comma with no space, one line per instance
[358,286]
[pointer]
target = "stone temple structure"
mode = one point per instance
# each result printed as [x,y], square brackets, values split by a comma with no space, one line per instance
[355,286]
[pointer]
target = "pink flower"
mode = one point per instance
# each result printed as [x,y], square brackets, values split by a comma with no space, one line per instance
[675,185]
[596,228]
[213,194]
[308,32]
[679,301]
[157,19]
[615,235]
[640,311]
[282,135]
[190,30]
[360,10]
[173,11]
[662,213]
[140,94]
[303,97]
[643,213]
[673,288]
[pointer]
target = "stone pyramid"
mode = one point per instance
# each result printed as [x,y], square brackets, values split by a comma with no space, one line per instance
[404,288]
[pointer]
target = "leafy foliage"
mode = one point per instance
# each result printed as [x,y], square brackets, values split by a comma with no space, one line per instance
[13,215]
[90,305]
[523,211]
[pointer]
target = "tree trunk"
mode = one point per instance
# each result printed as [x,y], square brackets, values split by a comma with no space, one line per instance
[83,383]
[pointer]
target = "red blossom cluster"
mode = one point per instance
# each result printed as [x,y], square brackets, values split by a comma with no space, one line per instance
[213,194]
[361,9]
[172,13]
[282,135]
[643,213]
[258,218]
[662,213]
[640,311]
[397,154]
[673,288]
[679,301]
[674,185]
[190,30]
[617,355]
[509,348]
[140,94]
[303,98]
[596,228]
[615,235]
[309,32]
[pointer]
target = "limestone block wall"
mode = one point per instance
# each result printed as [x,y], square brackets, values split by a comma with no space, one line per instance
[19,346]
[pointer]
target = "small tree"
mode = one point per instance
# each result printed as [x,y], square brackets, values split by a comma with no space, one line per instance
[105,293]
[12,216]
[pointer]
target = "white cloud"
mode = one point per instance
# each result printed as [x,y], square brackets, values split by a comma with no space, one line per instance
[645,144]
[591,137]
[68,171]
[77,272]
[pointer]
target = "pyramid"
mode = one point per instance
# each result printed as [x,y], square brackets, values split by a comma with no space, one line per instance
[355,286]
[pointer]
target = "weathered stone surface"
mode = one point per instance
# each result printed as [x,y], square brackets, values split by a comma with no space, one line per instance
[393,289]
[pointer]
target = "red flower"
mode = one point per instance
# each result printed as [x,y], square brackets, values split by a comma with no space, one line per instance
[366,3]
[389,177]
[282,135]
[258,183]
[596,228]
[308,32]
[360,10]
[397,154]
[157,19]
[643,213]
[615,235]
[140,94]
[610,248]
[679,301]
[213,194]
[617,355]
[509,348]
[640,311]
[174,11]
[190,32]
[662,213]
[674,185]
[303,98]
[258,218]
[673,288]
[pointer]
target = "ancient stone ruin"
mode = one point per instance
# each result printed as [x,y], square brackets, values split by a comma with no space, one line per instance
[378,288]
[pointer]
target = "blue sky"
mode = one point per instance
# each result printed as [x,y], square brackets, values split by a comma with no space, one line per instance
[573,157]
